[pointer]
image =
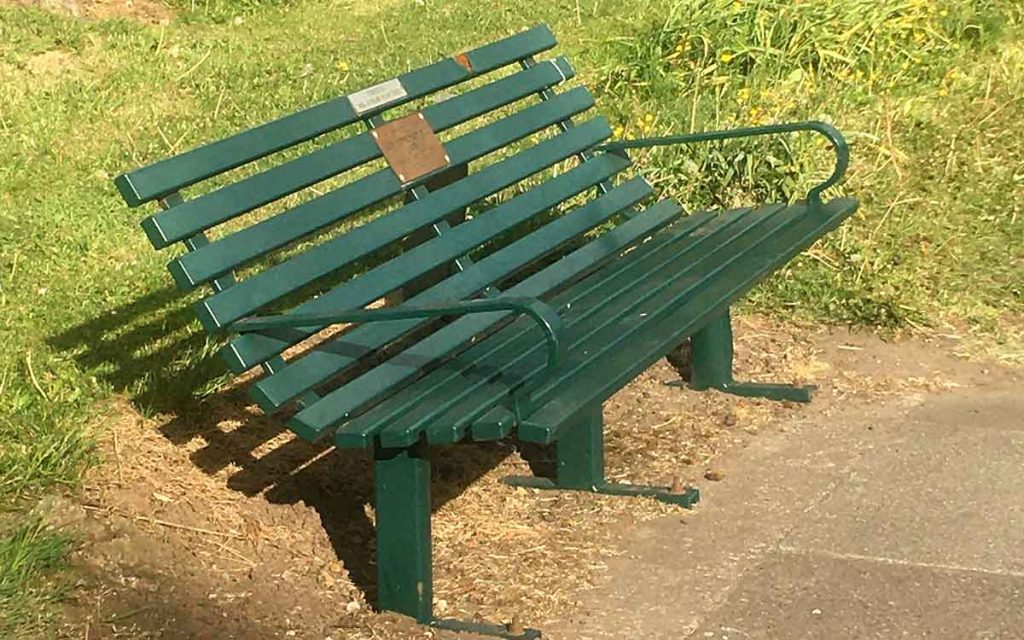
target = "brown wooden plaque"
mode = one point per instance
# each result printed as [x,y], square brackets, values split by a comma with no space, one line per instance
[410,147]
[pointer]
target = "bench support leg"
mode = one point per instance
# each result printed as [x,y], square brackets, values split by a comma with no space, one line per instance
[401,480]
[711,366]
[580,453]
[404,571]
[580,466]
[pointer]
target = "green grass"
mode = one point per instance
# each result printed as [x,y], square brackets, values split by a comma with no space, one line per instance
[31,559]
[928,92]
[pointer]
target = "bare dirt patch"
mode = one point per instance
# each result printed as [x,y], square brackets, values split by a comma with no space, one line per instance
[216,522]
[148,11]
[50,63]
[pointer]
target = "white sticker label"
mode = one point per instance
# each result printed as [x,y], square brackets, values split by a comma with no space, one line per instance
[377,96]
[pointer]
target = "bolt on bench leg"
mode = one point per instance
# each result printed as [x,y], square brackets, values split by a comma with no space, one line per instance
[711,366]
[580,466]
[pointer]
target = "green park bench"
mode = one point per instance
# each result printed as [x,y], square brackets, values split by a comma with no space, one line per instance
[507,322]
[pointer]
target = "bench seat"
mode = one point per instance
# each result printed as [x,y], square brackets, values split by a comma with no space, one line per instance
[618,321]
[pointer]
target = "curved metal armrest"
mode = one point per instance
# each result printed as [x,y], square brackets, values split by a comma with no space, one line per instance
[813,197]
[538,311]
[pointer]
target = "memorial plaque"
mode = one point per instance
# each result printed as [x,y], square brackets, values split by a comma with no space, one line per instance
[410,147]
[377,96]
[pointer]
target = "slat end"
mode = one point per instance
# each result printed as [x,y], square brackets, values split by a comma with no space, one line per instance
[403,439]
[181,275]
[127,190]
[523,44]
[493,429]
[844,204]
[446,436]
[305,431]
[533,432]
[545,30]
[230,355]
[155,233]
[207,317]
[266,401]
[564,67]
[351,440]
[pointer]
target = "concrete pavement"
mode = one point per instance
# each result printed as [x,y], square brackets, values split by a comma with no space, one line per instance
[902,519]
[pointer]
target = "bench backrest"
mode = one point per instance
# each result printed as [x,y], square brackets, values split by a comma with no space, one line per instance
[299,258]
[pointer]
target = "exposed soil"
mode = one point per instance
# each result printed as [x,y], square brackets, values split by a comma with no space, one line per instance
[213,522]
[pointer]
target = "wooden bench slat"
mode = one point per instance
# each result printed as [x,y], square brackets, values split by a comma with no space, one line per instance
[206,211]
[470,381]
[337,404]
[317,366]
[486,373]
[573,265]
[358,433]
[471,387]
[418,403]
[622,317]
[603,326]
[275,282]
[494,425]
[178,172]
[249,350]
[292,225]
[600,376]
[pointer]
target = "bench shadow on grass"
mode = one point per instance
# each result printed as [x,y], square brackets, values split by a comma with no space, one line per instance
[153,351]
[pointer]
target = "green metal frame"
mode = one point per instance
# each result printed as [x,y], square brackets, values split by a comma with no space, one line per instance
[546,317]
[401,479]
[711,357]
[839,145]
[580,466]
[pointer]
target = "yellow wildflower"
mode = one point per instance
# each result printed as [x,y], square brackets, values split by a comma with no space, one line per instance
[744,94]
[341,66]
[727,57]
